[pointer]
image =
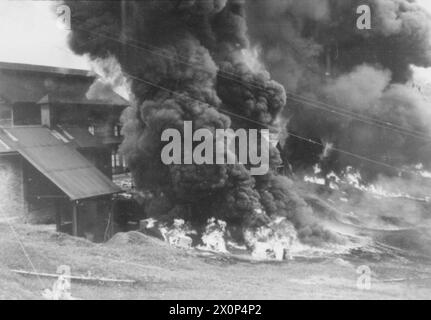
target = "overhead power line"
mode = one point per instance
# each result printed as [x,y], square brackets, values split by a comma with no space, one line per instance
[235,78]
[351,154]
[290,95]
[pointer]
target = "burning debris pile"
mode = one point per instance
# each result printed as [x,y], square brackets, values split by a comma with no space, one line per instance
[348,88]
[179,234]
[273,241]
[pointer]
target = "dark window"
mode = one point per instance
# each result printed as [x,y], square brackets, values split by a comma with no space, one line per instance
[26,114]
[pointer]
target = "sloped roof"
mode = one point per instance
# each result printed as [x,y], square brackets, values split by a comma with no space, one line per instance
[4,147]
[45,69]
[80,137]
[60,162]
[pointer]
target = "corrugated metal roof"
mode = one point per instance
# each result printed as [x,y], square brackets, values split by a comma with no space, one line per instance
[81,137]
[60,162]
[4,147]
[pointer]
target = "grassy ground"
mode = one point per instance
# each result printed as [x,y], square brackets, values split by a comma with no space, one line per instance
[162,272]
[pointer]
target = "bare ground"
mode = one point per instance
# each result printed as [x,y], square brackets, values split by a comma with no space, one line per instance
[163,272]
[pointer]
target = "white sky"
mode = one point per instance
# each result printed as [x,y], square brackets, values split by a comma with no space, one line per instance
[29,34]
[426,4]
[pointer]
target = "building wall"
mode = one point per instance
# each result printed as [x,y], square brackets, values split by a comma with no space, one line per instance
[41,196]
[28,196]
[20,188]
[31,86]
[11,187]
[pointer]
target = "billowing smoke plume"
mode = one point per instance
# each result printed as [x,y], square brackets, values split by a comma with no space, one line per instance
[191,61]
[316,51]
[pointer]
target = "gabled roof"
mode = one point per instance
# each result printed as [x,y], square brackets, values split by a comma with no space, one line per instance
[45,69]
[51,154]
[114,100]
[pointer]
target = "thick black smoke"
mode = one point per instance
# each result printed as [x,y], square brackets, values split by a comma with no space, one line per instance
[190,60]
[315,49]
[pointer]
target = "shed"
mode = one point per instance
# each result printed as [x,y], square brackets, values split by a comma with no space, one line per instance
[55,157]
